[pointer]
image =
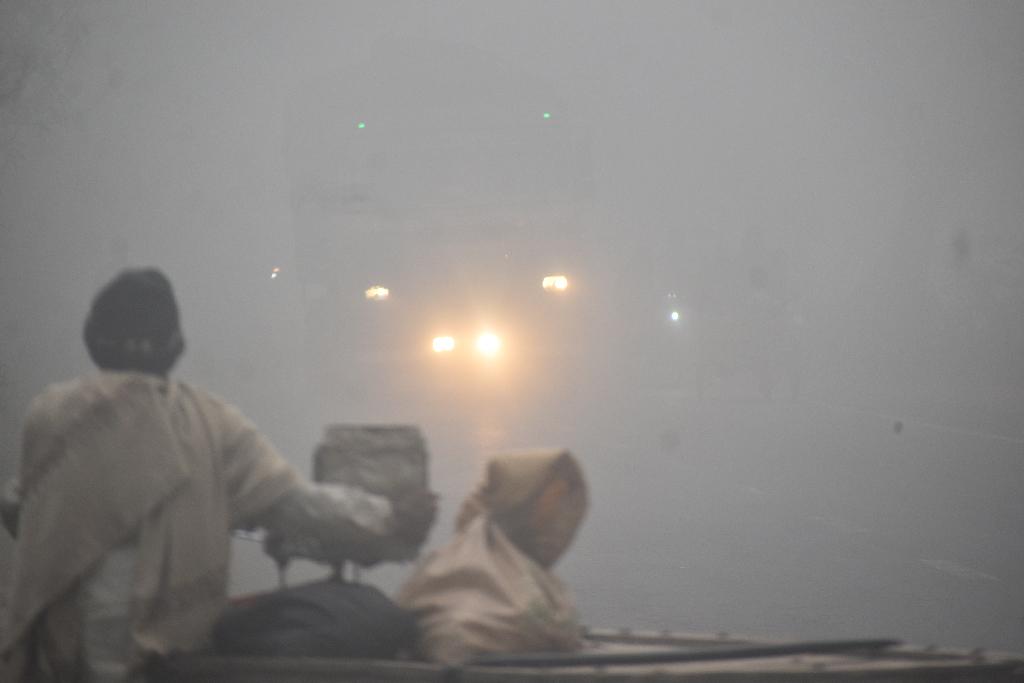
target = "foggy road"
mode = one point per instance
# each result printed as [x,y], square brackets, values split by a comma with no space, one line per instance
[784,519]
[806,521]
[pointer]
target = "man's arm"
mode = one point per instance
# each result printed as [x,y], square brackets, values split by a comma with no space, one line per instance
[323,522]
[333,523]
[10,506]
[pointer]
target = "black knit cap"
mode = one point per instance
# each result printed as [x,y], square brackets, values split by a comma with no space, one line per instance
[133,324]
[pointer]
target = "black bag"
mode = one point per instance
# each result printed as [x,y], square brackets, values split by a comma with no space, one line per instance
[325,619]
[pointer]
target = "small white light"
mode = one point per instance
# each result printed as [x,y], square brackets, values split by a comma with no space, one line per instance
[274,273]
[443,344]
[376,293]
[674,316]
[487,343]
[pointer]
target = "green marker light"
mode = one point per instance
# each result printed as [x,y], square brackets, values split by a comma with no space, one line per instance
[362,125]
[547,115]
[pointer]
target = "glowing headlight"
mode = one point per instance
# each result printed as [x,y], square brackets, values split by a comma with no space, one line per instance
[487,343]
[555,282]
[377,293]
[444,344]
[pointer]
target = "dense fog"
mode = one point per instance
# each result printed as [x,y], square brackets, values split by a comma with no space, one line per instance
[858,165]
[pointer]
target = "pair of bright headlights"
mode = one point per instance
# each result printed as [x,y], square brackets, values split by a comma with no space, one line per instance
[486,343]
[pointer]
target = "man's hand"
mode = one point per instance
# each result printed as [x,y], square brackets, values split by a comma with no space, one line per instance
[333,523]
[413,513]
[10,506]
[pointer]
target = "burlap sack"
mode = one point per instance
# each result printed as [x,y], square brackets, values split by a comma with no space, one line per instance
[487,594]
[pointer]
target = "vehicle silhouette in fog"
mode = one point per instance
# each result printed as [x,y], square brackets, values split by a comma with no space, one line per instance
[726,335]
[754,334]
[439,199]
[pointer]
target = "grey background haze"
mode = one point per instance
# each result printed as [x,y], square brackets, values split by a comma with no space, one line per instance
[875,148]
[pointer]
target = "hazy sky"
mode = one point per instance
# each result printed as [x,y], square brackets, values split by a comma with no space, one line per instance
[877,146]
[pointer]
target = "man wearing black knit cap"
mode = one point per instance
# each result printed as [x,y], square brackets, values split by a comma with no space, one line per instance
[130,483]
[133,324]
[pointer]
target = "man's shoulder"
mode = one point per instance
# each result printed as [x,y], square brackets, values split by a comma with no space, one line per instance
[68,402]
[96,387]
[222,416]
[62,398]
[201,397]
[78,406]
